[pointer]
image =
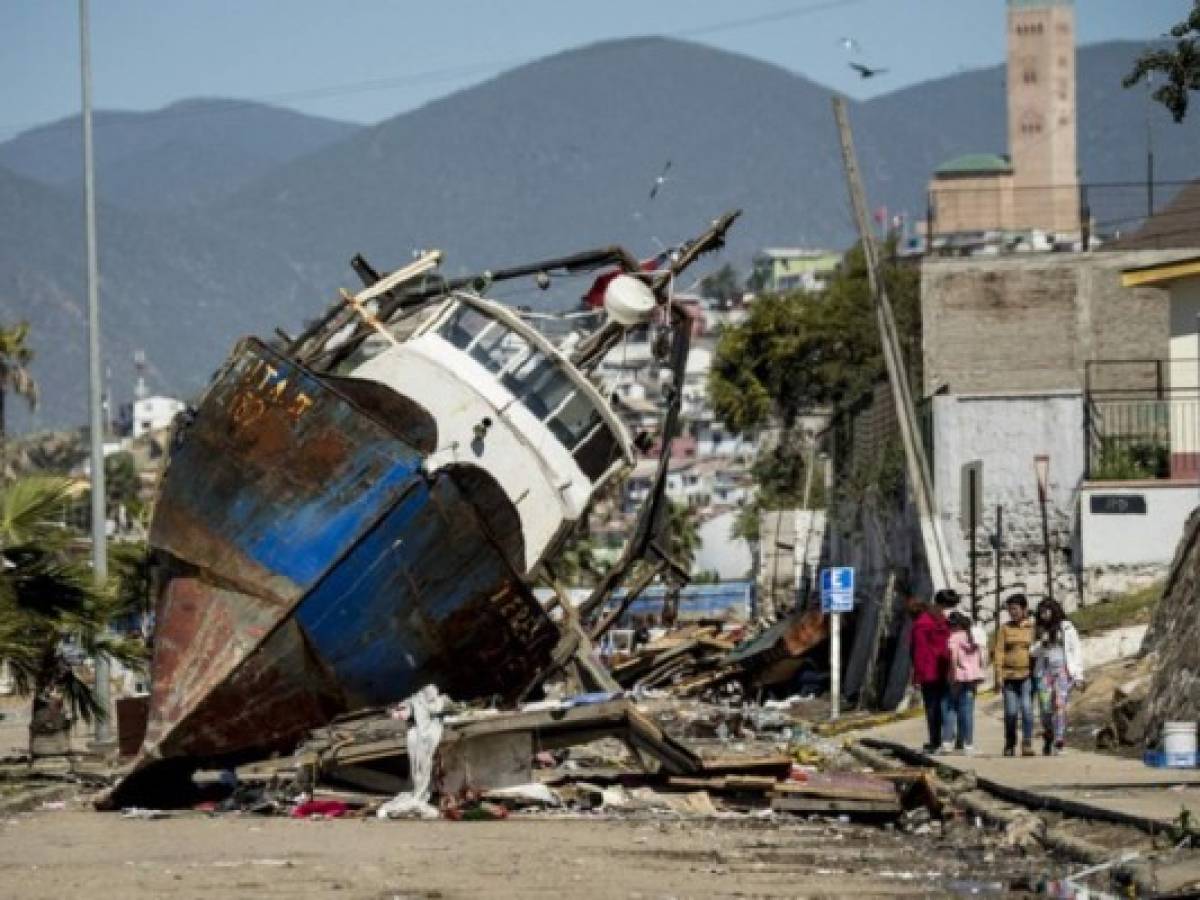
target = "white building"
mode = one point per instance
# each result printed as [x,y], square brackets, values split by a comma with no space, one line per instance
[154,413]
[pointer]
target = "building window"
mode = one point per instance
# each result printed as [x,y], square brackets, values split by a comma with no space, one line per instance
[1029,76]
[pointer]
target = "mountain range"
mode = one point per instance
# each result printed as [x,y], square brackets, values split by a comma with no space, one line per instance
[219,218]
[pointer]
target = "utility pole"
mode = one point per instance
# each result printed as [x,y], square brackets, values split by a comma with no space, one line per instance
[1149,150]
[998,544]
[940,568]
[103,732]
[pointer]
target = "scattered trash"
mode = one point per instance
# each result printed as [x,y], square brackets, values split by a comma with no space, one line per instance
[968,887]
[137,812]
[407,807]
[423,736]
[533,794]
[320,809]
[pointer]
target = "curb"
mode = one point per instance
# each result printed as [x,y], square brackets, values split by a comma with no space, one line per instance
[1139,873]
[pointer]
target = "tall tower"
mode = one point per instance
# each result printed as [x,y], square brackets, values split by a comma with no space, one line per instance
[1041,114]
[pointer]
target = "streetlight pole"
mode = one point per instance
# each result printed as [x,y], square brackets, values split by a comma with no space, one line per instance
[103,732]
[1041,466]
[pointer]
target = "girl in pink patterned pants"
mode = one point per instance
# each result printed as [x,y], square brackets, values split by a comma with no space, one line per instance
[1058,667]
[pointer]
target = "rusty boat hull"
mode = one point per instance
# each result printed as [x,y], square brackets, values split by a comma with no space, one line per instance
[307,565]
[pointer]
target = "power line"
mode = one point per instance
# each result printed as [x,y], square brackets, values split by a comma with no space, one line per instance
[464,71]
[793,13]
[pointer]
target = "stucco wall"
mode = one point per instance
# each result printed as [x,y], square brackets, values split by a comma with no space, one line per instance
[1135,538]
[1031,322]
[719,551]
[1005,432]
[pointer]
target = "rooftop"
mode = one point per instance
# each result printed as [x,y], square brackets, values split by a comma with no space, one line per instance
[976,164]
[1161,273]
[794,252]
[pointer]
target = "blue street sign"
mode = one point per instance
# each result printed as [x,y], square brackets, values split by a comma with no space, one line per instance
[837,589]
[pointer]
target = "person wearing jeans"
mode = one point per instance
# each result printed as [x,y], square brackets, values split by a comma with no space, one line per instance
[1018,706]
[1058,666]
[966,671]
[931,661]
[1014,674]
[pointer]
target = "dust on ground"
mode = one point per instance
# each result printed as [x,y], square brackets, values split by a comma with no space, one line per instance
[75,853]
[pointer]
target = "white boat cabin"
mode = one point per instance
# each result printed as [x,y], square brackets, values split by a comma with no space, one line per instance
[507,402]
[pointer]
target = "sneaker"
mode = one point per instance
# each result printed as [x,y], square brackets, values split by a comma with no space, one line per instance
[1059,749]
[968,749]
[1010,751]
[1027,749]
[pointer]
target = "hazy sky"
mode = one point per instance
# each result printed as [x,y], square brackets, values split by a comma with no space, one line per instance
[365,60]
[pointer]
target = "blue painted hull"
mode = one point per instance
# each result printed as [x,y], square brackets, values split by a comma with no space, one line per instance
[307,566]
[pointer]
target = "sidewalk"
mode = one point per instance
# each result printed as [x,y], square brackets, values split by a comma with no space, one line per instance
[1094,781]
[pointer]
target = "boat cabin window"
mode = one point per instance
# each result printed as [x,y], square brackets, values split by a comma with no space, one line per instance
[539,383]
[488,342]
[464,325]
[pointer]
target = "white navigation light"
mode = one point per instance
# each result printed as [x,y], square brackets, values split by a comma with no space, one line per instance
[629,300]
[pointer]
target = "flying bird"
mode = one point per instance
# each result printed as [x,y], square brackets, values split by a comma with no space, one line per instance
[660,180]
[849,43]
[866,71]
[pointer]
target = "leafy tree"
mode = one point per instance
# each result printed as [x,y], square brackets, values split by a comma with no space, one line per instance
[576,563]
[129,566]
[801,351]
[780,472]
[121,483]
[1180,66]
[723,284]
[49,601]
[15,357]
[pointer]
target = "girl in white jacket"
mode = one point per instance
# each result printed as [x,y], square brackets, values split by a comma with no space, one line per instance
[1058,666]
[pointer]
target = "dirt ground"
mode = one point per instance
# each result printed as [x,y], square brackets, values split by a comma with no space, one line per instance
[77,853]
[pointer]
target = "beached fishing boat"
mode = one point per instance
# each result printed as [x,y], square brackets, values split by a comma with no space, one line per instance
[363,510]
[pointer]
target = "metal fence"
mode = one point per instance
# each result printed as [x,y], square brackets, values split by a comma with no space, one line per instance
[1142,419]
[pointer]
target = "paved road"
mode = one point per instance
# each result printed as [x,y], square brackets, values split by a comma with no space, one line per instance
[1099,780]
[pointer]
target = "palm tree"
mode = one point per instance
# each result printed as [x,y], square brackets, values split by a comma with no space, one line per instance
[49,602]
[15,357]
[685,535]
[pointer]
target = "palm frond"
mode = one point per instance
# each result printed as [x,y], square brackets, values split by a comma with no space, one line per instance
[80,697]
[22,383]
[129,652]
[31,508]
[51,585]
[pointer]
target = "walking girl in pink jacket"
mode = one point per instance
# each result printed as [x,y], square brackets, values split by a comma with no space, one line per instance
[966,672]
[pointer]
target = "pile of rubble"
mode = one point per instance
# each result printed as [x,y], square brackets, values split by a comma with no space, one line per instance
[697,660]
[589,755]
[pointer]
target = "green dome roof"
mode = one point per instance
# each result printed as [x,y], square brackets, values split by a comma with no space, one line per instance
[975,163]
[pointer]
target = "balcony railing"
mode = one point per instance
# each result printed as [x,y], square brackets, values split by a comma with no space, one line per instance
[1142,419]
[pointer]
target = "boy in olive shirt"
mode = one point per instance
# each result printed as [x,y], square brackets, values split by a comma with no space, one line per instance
[1014,674]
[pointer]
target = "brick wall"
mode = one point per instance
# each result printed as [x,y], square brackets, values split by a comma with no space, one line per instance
[1030,323]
